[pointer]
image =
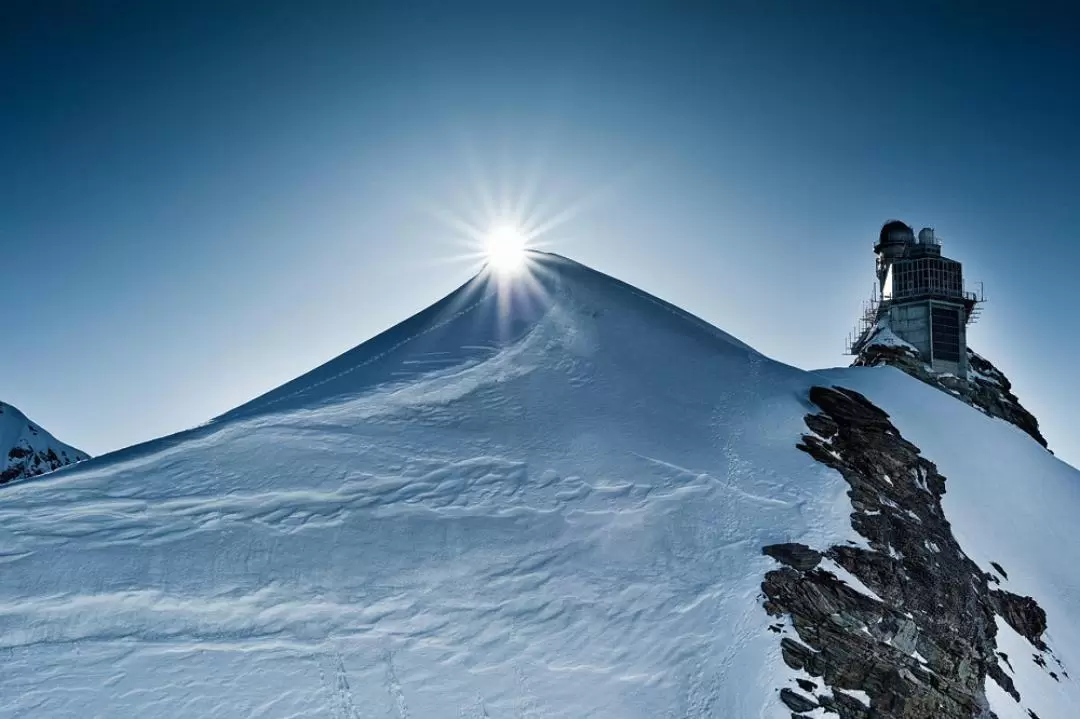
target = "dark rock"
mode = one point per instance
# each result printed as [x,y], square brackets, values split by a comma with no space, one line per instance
[28,456]
[1003,680]
[849,707]
[1022,614]
[1005,658]
[999,570]
[797,556]
[845,705]
[821,425]
[19,453]
[796,655]
[797,702]
[818,449]
[848,407]
[931,599]
[806,685]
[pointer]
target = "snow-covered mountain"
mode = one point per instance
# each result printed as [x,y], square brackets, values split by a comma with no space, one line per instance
[26,450]
[553,495]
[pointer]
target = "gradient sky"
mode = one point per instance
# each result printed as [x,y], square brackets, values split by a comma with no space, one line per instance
[202,201]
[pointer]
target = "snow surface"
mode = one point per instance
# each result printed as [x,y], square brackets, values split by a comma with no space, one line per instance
[535,498]
[1046,696]
[884,337]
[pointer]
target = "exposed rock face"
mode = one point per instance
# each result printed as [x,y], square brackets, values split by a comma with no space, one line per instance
[986,387]
[796,556]
[26,450]
[1022,614]
[919,637]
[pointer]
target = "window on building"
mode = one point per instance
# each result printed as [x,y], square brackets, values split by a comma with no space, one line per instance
[945,331]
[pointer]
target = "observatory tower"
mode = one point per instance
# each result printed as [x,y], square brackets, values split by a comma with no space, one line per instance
[920,297]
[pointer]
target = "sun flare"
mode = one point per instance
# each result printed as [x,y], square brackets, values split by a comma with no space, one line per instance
[506,248]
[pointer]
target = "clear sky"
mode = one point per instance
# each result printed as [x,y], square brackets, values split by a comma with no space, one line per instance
[201,201]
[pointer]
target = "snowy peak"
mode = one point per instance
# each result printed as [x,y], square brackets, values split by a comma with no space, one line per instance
[543,496]
[27,450]
[986,387]
[479,320]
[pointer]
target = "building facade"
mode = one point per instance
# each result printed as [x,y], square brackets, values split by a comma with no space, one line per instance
[920,297]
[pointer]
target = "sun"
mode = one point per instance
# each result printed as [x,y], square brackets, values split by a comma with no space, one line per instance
[506,248]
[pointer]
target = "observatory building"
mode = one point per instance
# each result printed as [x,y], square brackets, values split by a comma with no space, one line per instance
[920,298]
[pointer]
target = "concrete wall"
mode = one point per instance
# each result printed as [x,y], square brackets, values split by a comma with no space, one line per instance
[956,368]
[911,322]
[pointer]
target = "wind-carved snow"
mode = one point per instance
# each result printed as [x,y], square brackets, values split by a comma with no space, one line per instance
[556,511]
[532,499]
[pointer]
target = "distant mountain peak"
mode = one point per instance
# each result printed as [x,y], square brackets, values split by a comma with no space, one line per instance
[27,450]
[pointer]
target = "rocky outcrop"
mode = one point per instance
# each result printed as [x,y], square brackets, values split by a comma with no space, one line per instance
[1022,614]
[907,620]
[26,450]
[797,556]
[986,387]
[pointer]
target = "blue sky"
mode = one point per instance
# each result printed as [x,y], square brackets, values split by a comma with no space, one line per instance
[202,201]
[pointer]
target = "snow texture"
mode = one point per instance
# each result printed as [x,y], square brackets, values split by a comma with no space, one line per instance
[540,497]
[884,337]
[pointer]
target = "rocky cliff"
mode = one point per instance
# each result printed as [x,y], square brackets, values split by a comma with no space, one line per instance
[27,450]
[904,626]
[986,388]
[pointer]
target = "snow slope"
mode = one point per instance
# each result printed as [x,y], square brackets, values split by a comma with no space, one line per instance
[540,497]
[533,499]
[27,450]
